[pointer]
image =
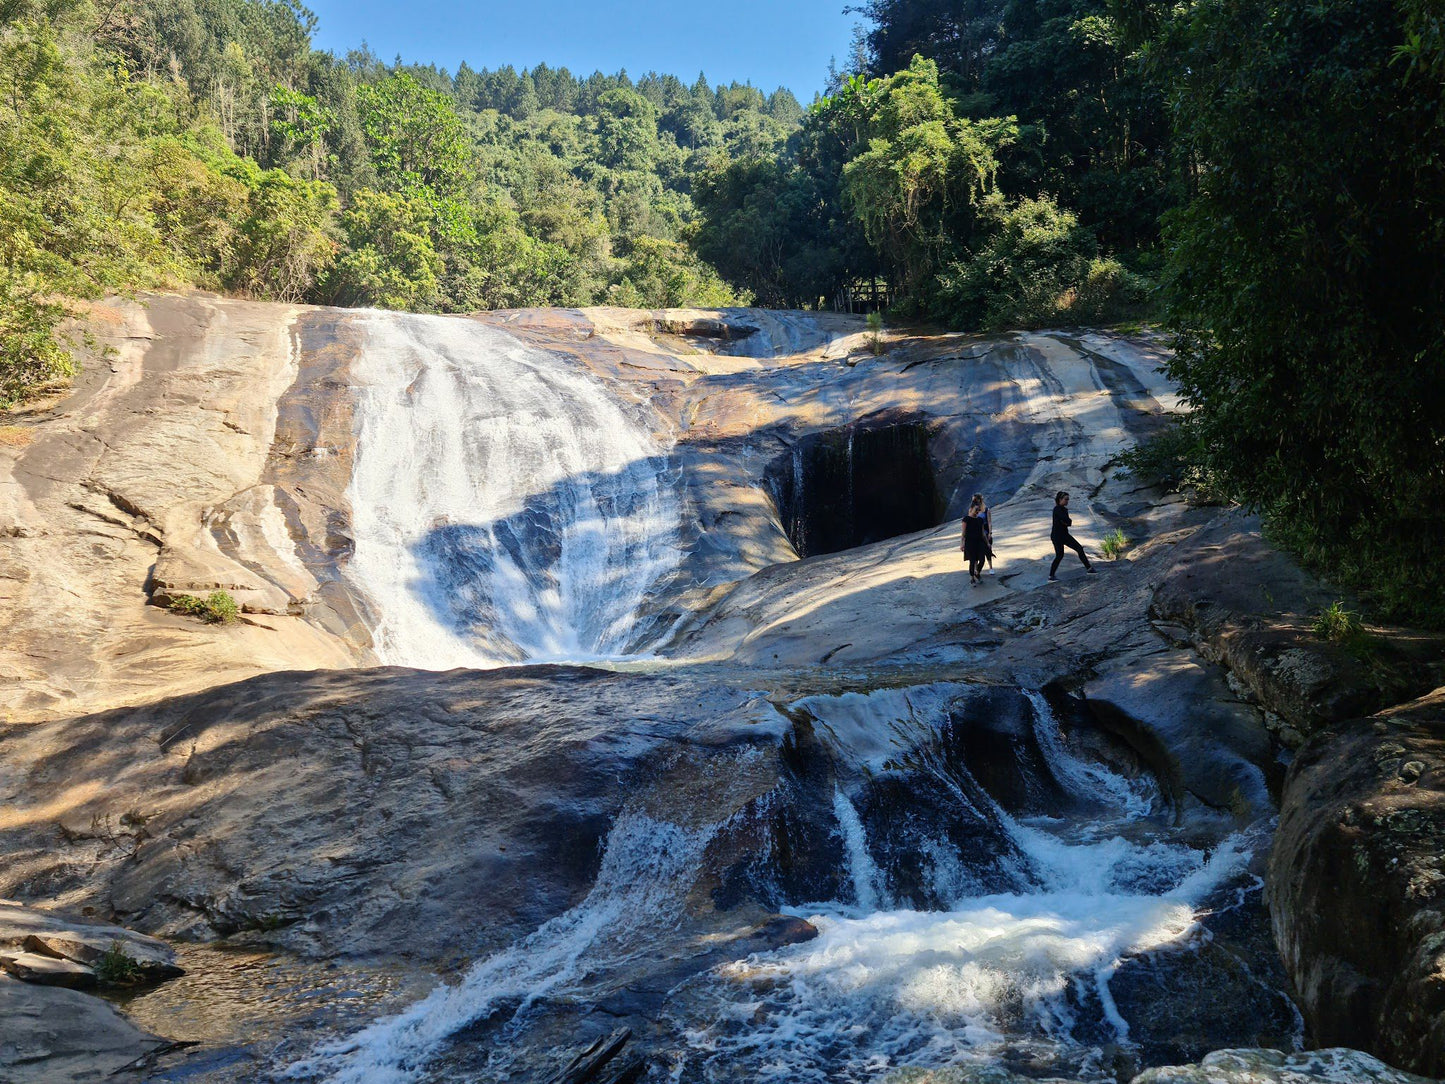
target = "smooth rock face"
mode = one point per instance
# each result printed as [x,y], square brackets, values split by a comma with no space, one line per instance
[107,507]
[1357,886]
[49,1035]
[1332,1066]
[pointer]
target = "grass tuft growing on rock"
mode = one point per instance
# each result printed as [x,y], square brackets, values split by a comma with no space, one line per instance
[1344,627]
[217,608]
[1114,545]
[875,332]
[115,968]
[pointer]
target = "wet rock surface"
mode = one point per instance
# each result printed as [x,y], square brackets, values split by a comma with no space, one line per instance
[50,1030]
[1332,1066]
[52,1034]
[857,730]
[1356,884]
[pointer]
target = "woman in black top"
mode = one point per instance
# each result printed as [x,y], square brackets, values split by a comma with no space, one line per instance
[1061,537]
[975,540]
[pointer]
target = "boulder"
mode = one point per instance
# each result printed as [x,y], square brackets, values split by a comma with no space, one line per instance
[1333,1066]
[1357,884]
[115,952]
[47,970]
[52,1035]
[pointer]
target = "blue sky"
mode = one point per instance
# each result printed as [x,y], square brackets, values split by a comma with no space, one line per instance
[782,43]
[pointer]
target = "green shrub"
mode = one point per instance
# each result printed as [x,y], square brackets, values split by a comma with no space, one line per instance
[1337,624]
[1036,266]
[1109,294]
[1115,543]
[115,968]
[1031,255]
[217,608]
[1344,627]
[1175,459]
[875,332]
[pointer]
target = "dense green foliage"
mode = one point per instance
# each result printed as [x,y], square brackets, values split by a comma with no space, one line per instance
[1307,275]
[170,143]
[1013,143]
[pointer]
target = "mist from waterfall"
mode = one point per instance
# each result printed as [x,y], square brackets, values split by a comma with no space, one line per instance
[506,507]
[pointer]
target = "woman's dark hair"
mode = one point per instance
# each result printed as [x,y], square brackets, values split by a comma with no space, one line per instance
[1060,495]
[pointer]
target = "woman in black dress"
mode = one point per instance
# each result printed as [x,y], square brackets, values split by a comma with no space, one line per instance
[975,540]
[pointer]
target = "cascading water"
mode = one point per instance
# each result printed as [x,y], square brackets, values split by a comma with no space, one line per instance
[1026,970]
[1016,974]
[860,864]
[646,871]
[505,506]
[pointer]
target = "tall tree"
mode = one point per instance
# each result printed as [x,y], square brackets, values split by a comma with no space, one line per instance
[1307,274]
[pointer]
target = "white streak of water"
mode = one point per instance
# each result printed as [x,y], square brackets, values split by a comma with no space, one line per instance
[647,869]
[867,881]
[1086,778]
[505,507]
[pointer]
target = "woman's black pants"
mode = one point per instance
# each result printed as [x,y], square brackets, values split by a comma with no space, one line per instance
[1072,543]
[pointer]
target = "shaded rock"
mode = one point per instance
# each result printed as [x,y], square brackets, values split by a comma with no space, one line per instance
[345,813]
[1357,884]
[967,1074]
[1333,1066]
[52,1035]
[47,970]
[1252,609]
[1213,747]
[61,937]
[1232,979]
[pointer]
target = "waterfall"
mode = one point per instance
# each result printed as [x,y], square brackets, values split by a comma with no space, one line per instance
[867,881]
[989,971]
[1021,968]
[648,867]
[1087,779]
[505,506]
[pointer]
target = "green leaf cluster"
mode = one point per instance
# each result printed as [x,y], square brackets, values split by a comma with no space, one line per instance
[900,183]
[1306,277]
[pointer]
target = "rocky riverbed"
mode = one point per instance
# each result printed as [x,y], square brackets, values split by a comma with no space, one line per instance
[702,750]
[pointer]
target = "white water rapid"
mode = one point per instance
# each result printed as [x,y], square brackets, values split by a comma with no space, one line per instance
[1022,971]
[884,986]
[506,506]
[647,869]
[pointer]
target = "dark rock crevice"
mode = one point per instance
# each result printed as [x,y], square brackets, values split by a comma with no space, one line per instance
[847,487]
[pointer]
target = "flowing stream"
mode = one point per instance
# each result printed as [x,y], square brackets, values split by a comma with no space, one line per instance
[1018,971]
[506,507]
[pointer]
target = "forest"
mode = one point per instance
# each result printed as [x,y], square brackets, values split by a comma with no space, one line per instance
[1265,181]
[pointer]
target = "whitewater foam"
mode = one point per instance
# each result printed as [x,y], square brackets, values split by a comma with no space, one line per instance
[926,988]
[647,869]
[505,506]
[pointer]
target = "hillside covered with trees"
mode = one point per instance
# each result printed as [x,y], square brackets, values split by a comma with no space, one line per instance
[157,143]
